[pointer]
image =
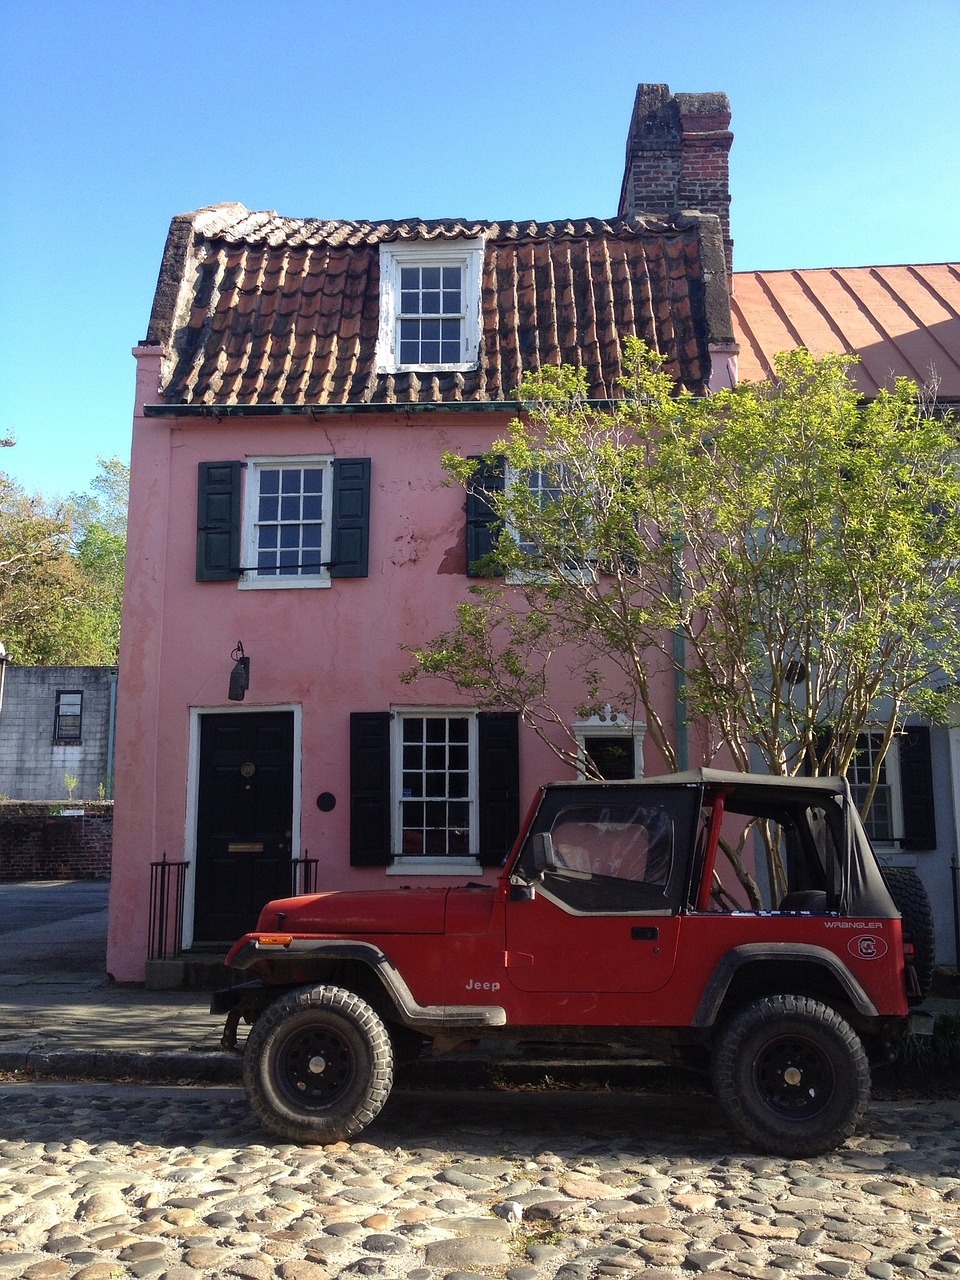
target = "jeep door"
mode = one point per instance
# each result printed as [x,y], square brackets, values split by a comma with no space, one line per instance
[605,916]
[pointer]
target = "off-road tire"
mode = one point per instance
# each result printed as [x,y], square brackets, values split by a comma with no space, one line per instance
[906,889]
[318,1065]
[791,1074]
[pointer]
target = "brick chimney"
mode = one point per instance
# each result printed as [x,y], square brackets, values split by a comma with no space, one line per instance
[678,151]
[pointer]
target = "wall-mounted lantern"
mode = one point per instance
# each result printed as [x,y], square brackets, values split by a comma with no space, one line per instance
[240,675]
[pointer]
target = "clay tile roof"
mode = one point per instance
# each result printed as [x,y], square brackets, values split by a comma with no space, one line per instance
[254,308]
[902,321]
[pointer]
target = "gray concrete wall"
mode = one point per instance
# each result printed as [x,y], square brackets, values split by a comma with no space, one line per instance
[32,765]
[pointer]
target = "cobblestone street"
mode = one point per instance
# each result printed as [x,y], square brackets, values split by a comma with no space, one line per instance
[99,1182]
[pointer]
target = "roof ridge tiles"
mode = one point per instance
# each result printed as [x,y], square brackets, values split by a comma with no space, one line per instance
[234,224]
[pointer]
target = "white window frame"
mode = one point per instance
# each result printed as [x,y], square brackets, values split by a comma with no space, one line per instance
[891,766]
[250,579]
[420,864]
[466,254]
[610,724]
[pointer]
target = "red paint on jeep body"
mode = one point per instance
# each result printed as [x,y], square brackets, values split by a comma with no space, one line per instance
[531,947]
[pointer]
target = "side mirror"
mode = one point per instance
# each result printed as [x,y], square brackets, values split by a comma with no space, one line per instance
[544,854]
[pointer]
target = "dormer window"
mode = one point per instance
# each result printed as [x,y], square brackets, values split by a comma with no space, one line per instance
[429,306]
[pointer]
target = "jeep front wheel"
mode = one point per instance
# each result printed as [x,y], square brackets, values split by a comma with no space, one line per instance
[791,1074]
[318,1065]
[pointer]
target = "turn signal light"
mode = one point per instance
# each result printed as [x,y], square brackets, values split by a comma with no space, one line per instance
[274,939]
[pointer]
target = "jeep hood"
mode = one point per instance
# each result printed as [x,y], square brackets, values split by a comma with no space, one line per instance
[370,911]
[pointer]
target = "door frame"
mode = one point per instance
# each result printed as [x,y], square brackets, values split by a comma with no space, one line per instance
[193,794]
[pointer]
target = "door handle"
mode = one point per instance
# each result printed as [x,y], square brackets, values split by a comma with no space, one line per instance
[644,933]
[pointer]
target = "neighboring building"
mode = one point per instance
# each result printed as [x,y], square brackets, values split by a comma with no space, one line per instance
[56,723]
[901,321]
[296,390]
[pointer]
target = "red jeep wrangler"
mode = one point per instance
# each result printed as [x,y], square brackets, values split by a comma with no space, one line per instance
[627,914]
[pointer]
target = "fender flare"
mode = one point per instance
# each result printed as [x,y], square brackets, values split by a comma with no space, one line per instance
[754,952]
[421,1017]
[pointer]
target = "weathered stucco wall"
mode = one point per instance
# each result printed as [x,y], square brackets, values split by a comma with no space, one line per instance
[32,764]
[326,652]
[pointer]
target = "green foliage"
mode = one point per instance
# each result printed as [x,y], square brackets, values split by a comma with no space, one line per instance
[61,572]
[788,552]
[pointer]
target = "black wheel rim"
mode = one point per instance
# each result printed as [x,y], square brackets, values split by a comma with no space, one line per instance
[794,1077]
[315,1067]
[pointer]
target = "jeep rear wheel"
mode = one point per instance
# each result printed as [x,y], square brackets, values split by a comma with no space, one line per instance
[318,1065]
[791,1074]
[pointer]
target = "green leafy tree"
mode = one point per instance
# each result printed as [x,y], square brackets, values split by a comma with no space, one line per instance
[61,573]
[784,553]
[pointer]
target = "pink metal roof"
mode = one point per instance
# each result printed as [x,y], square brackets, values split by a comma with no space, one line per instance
[900,321]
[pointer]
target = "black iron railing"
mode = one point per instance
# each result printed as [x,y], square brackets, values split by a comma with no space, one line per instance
[303,875]
[167,883]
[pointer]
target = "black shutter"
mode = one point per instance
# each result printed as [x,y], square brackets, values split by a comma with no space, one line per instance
[218,521]
[349,552]
[483,525]
[498,784]
[370,789]
[916,788]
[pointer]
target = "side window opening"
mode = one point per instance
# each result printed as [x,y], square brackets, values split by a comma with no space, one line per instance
[777,857]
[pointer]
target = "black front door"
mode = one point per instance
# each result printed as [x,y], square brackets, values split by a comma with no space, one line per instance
[244,820]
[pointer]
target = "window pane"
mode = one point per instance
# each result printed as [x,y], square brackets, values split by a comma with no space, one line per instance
[436,766]
[409,302]
[290,518]
[430,277]
[429,353]
[436,729]
[409,277]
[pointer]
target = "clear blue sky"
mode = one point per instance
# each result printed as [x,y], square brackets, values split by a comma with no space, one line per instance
[114,116]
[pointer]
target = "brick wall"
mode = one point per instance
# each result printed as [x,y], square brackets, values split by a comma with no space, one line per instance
[39,843]
[678,156]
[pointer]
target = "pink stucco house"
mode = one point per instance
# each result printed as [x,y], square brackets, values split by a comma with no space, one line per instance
[298,384]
